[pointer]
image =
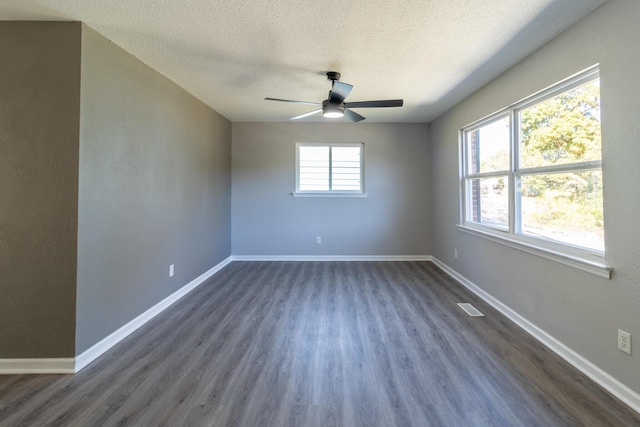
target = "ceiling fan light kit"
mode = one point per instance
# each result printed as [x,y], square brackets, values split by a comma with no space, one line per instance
[335,107]
[332,110]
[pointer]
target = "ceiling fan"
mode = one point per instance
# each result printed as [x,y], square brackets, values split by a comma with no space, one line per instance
[334,106]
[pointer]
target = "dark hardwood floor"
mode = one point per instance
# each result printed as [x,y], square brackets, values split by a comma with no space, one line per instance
[320,344]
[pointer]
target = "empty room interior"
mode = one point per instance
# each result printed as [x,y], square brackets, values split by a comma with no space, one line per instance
[281,213]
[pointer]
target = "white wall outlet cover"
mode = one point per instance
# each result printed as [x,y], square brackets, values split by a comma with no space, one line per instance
[171,270]
[624,341]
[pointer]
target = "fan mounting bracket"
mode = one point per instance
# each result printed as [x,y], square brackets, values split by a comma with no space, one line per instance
[333,76]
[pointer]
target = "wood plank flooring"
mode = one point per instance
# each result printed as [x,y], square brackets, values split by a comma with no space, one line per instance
[320,344]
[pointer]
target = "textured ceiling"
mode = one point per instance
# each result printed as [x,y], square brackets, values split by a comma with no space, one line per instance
[233,53]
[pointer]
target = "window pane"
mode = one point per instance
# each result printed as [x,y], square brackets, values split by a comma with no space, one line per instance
[565,206]
[314,168]
[563,129]
[489,202]
[488,147]
[345,168]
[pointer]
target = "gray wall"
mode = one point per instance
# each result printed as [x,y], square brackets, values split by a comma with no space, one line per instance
[581,310]
[393,220]
[39,105]
[155,189]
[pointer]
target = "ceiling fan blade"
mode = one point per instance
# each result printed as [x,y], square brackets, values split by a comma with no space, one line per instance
[290,100]
[353,116]
[339,92]
[374,104]
[310,113]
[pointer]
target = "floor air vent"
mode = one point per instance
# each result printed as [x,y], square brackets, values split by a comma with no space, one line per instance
[469,309]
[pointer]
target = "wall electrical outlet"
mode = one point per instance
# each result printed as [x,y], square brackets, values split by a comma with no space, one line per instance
[624,341]
[318,240]
[171,270]
[455,253]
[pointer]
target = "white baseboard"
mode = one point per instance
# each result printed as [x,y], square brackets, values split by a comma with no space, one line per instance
[606,381]
[331,258]
[73,365]
[37,366]
[105,344]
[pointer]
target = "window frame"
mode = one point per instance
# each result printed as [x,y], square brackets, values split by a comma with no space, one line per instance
[466,190]
[584,258]
[330,193]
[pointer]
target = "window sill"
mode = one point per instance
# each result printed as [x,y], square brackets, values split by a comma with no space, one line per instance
[310,194]
[589,263]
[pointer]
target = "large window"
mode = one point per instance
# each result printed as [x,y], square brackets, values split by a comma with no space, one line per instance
[329,168]
[533,172]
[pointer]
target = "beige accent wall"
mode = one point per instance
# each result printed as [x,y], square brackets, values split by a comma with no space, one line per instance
[39,125]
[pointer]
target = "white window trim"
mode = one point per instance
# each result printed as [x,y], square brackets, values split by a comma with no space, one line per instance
[585,259]
[330,193]
[591,264]
[343,194]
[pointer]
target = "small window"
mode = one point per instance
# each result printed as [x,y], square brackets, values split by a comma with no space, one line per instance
[335,169]
[533,172]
